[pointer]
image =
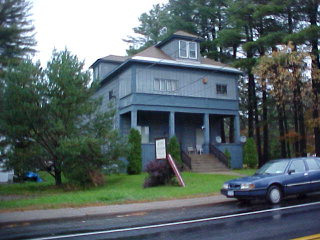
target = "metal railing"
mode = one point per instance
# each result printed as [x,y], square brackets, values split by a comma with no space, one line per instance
[218,154]
[186,159]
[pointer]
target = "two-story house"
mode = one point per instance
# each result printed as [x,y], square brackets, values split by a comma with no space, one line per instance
[170,89]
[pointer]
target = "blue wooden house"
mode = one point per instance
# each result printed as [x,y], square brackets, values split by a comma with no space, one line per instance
[170,89]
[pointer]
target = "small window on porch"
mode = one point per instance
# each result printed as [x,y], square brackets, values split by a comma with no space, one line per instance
[144,131]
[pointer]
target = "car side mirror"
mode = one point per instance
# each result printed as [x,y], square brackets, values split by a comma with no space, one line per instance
[291,171]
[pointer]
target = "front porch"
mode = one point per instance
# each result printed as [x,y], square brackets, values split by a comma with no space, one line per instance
[193,130]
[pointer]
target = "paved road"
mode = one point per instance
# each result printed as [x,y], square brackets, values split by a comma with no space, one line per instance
[223,221]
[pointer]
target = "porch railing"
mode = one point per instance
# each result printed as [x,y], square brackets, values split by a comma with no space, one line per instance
[218,154]
[186,159]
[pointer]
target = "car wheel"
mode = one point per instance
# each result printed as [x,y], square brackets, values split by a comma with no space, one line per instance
[274,195]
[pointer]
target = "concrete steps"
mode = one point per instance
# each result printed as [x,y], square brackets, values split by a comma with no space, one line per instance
[206,163]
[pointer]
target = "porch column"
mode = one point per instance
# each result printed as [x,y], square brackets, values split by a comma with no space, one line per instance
[236,128]
[206,133]
[171,125]
[134,119]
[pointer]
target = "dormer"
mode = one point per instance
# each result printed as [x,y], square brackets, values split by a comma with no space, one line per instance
[182,46]
[103,66]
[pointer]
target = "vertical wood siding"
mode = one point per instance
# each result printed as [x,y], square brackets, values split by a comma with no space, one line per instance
[189,82]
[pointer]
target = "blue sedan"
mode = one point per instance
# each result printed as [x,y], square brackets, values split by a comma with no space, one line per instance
[277,179]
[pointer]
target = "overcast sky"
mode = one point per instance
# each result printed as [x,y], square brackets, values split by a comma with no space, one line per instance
[91,29]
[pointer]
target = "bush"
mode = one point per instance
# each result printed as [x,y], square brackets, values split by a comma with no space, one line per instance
[174,150]
[160,173]
[134,156]
[228,156]
[250,153]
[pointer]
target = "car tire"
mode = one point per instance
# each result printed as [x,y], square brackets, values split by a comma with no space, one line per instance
[274,194]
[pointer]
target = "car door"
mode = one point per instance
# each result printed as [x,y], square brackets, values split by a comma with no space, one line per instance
[314,173]
[297,179]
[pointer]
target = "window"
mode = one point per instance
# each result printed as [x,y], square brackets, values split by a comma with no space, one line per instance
[144,131]
[192,50]
[298,166]
[111,96]
[312,164]
[165,85]
[183,49]
[187,49]
[221,89]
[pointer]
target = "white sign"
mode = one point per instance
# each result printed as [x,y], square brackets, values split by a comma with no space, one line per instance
[161,152]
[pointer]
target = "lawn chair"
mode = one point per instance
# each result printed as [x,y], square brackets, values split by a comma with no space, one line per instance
[190,150]
[199,149]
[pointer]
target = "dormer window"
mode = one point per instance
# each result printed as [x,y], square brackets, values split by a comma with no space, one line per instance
[187,49]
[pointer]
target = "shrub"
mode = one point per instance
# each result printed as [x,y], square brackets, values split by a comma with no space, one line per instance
[160,173]
[134,156]
[250,153]
[174,150]
[228,156]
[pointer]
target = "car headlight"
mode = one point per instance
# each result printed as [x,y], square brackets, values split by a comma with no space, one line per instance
[247,186]
[225,186]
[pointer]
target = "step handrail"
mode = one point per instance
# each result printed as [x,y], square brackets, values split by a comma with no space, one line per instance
[186,159]
[218,154]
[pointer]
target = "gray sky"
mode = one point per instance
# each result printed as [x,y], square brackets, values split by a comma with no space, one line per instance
[88,28]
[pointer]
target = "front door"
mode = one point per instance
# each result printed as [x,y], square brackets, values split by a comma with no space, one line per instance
[199,137]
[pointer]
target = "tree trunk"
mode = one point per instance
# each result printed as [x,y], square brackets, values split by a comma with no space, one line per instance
[281,132]
[286,131]
[257,125]
[313,15]
[265,128]
[250,104]
[302,128]
[57,175]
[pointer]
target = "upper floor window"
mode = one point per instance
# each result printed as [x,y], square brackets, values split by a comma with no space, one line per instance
[165,85]
[222,89]
[187,49]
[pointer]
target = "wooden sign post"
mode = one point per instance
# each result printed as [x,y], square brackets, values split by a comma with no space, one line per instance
[176,171]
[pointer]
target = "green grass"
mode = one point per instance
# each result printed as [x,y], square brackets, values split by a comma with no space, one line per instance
[118,189]
[246,171]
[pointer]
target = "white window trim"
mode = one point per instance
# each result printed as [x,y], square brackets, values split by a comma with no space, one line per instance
[188,43]
[195,49]
[180,41]
[166,82]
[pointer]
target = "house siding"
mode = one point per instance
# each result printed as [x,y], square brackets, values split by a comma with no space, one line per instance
[172,49]
[189,82]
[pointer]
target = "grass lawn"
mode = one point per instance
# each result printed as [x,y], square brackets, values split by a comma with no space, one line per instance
[118,189]
[246,171]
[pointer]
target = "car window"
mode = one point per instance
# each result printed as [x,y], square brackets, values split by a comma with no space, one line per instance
[298,166]
[273,167]
[312,164]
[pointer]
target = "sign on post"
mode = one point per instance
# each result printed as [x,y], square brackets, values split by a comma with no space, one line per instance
[176,171]
[161,151]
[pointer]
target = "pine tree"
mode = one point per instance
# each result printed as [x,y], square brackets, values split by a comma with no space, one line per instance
[16,31]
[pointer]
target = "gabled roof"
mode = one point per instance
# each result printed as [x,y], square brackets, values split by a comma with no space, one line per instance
[153,52]
[110,58]
[180,35]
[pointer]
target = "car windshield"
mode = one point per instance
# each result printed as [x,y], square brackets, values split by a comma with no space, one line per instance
[273,167]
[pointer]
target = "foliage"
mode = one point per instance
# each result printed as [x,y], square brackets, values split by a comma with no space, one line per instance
[160,173]
[228,156]
[250,157]
[174,149]
[54,111]
[16,31]
[134,155]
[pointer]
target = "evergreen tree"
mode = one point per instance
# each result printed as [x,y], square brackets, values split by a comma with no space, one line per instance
[134,155]
[16,31]
[54,111]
